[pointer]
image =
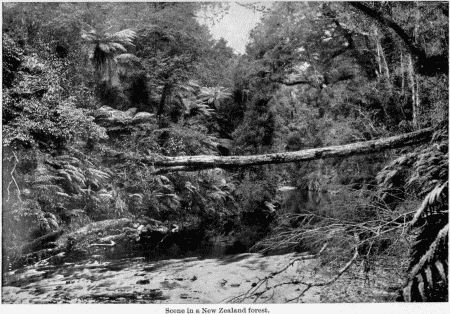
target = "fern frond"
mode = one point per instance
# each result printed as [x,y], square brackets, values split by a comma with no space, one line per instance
[105,196]
[98,174]
[126,35]
[120,204]
[90,36]
[106,48]
[415,280]
[421,287]
[65,175]
[63,194]
[137,197]
[117,46]
[441,270]
[429,276]
[126,58]
[49,188]
[68,159]
[430,203]
[45,178]
[429,255]
[190,187]
[76,176]
[218,195]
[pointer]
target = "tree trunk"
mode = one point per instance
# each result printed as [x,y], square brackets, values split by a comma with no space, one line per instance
[412,85]
[427,66]
[402,72]
[380,70]
[417,102]
[193,163]
[384,62]
[381,57]
[41,241]
[416,99]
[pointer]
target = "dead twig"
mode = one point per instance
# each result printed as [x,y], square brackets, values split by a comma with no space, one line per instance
[332,280]
[14,180]
[254,291]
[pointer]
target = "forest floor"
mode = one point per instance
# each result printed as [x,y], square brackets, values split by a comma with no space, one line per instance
[188,280]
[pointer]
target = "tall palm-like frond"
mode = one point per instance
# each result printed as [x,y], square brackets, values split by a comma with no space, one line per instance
[106,46]
[192,98]
[193,107]
[214,95]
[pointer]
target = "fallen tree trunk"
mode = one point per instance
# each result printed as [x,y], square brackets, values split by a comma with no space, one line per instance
[98,226]
[193,163]
[37,256]
[40,242]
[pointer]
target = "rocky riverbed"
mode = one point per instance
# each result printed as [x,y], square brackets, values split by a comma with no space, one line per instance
[187,280]
[134,280]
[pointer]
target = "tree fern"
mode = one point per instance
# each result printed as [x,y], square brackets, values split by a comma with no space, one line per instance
[424,172]
[428,268]
[214,95]
[106,46]
[428,272]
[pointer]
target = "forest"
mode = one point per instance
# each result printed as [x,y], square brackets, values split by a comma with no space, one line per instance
[128,131]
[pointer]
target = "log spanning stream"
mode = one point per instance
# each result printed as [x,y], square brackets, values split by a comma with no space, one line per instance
[193,163]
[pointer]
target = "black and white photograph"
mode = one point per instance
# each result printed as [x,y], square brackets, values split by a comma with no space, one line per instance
[225,157]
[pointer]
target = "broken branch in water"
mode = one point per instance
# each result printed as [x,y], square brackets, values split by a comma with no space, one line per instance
[329,282]
[254,291]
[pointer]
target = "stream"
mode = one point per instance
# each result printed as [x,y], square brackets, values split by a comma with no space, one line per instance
[135,280]
[211,278]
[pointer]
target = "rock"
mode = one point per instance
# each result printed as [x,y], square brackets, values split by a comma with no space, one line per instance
[194,278]
[141,117]
[139,274]
[143,282]
[184,296]
[103,112]
[131,112]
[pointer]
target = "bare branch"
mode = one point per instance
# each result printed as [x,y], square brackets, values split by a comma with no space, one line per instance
[384,20]
[256,292]
[329,282]
[298,82]
[14,180]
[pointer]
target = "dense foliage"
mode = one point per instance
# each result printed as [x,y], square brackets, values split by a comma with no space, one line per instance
[84,80]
